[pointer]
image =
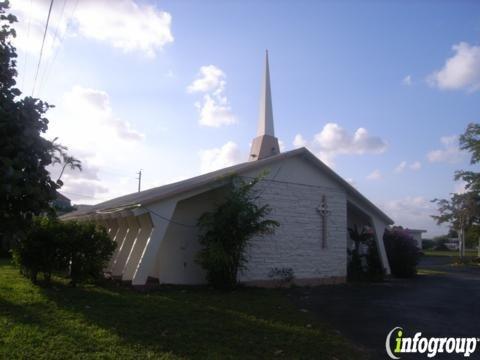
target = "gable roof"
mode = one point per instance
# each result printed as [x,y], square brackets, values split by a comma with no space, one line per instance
[167,191]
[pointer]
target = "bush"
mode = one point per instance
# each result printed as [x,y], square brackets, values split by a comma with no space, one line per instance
[39,251]
[85,249]
[364,266]
[78,249]
[226,231]
[402,252]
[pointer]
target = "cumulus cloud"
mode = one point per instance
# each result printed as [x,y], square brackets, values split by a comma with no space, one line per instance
[414,212]
[414,166]
[374,175]
[450,152]
[123,24]
[214,108]
[95,104]
[461,71]
[218,158]
[333,140]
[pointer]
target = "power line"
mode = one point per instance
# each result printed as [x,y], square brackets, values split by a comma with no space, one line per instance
[49,68]
[52,45]
[43,44]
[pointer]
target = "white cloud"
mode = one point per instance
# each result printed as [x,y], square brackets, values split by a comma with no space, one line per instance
[95,104]
[414,166]
[417,165]
[461,71]
[123,24]
[333,140]
[218,158]
[414,212]
[214,108]
[281,145]
[407,80]
[210,78]
[400,167]
[374,175]
[299,141]
[450,152]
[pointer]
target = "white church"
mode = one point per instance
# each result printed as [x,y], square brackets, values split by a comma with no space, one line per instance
[156,234]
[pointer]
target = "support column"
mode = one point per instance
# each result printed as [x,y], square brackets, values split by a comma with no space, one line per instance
[379,228]
[119,239]
[124,251]
[114,231]
[138,246]
[146,264]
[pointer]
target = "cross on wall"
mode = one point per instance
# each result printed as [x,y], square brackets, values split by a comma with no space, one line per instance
[324,212]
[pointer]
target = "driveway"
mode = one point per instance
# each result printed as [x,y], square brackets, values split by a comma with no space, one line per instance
[443,302]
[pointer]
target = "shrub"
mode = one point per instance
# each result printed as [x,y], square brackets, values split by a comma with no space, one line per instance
[402,252]
[85,250]
[78,249]
[39,250]
[364,266]
[226,231]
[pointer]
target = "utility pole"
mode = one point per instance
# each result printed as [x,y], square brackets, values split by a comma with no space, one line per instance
[139,178]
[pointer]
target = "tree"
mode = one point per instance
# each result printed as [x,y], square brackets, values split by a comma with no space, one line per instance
[26,188]
[461,211]
[226,231]
[470,141]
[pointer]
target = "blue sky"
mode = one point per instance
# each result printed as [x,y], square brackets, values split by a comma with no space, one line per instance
[122,76]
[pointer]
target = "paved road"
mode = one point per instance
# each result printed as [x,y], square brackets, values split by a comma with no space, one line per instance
[445,304]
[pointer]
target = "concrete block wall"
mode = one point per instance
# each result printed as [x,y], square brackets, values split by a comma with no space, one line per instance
[297,242]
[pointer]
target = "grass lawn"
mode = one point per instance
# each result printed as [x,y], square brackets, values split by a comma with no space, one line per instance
[113,322]
[452,253]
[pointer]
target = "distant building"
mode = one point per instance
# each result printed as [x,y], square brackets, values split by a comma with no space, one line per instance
[62,204]
[417,236]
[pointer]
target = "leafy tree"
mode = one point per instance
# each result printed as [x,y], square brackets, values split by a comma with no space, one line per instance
[470,141]
[226,231]
[461,211]
[26,188]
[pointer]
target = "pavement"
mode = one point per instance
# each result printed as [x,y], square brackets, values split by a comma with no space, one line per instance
[443,301]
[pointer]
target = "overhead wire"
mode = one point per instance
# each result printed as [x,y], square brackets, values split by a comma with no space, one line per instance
[41,48]
[48,69]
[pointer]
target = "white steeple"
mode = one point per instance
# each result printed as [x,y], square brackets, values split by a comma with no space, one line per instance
[265,144]
[265,115]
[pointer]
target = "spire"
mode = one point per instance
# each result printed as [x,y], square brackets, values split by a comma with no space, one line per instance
[265,144]
[265,116]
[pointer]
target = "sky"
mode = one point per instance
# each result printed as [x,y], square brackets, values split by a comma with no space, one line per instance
[380,91]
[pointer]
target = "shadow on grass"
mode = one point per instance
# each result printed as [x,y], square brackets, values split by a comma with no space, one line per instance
[198,322]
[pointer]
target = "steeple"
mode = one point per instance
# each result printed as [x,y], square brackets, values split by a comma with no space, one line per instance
[265,144]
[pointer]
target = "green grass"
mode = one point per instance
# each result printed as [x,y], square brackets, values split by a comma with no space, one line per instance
[114,322]
[451,253]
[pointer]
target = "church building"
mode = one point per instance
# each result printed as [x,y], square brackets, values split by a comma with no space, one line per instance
[157,238]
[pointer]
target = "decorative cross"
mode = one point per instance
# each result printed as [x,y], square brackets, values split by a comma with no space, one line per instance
[324,212]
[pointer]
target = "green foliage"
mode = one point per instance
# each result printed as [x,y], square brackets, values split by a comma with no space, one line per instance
[79,249]
[26,188]
[39,250]
[402,252]
[470,141]
[226,231]
[87,248]
[364,266]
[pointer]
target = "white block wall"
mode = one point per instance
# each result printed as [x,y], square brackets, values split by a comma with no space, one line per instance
[297,242]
